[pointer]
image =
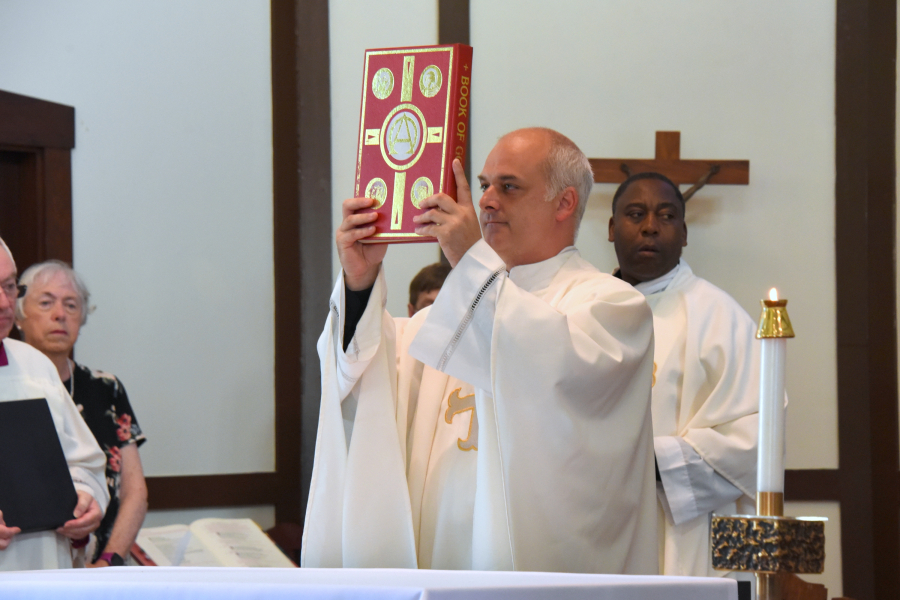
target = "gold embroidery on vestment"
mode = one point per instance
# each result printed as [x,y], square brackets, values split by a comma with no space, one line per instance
[457,404]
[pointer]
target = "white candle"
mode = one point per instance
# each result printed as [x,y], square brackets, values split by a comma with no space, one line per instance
[770,454]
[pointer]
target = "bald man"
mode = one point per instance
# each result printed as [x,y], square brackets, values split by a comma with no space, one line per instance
[26,373]
[506,427]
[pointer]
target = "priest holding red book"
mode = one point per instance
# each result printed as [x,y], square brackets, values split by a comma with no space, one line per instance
[506,427]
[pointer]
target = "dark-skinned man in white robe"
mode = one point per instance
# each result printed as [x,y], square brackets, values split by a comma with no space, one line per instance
[705,380]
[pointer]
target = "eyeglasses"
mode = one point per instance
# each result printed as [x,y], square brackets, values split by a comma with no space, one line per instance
[10,289]
[14,291]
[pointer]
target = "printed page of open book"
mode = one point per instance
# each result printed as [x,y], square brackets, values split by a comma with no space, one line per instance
[238,543]
[173,545]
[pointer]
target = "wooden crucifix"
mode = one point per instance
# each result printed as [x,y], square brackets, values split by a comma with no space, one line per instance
[668,162]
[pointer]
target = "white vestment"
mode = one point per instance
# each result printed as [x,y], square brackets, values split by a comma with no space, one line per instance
[544,370]
[30,374]
[705,413]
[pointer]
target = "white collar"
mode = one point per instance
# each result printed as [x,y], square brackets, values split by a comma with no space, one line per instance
[538,275]
[660,284]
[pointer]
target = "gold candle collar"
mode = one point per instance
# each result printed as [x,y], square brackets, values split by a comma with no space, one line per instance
[770,504]
[774,321]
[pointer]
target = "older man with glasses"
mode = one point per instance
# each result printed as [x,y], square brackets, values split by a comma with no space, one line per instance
[26,373]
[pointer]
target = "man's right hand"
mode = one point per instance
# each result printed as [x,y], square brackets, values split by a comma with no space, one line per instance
[360,262]
[6,533]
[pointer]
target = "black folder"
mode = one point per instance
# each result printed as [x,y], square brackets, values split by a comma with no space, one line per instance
[36,489]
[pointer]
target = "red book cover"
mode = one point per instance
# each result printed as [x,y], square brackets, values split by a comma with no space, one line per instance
[414,121]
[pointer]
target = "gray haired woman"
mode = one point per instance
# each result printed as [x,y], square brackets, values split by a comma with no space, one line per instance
[50,315]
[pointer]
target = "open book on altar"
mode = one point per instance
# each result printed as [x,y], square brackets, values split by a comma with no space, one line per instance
[209,543]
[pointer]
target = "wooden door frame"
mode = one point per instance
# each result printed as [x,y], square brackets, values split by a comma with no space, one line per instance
[46,132]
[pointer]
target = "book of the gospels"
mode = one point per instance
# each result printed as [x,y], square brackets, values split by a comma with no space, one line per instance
[211,543]
[414,121]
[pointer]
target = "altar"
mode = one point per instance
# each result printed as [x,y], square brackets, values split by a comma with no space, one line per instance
[150,583]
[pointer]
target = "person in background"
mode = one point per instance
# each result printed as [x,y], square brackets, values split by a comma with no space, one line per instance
[705,393]
[424,287]
[26,373]
[50,316]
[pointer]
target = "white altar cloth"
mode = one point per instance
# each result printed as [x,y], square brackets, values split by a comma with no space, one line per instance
[150,583]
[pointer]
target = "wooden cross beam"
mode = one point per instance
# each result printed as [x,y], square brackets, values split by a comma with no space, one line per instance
[668,162]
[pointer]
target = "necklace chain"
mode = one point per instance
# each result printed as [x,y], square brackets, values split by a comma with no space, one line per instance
[71,364]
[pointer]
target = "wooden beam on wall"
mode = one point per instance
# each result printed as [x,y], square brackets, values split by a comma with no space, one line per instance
[866,294]
[193,491]
[301,126]
[453,28]
[56,173]
[286,234]
[453,21]
[814,485]
[26,121]
[36,140]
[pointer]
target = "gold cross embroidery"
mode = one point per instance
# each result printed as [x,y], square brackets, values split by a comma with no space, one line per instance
[456,405]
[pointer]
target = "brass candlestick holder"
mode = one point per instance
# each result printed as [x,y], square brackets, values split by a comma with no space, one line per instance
[769,544]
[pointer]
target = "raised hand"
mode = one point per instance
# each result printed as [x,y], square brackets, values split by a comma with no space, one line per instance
[453,222]
[359,261]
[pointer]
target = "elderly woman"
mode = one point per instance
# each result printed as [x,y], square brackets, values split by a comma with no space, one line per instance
[49,316]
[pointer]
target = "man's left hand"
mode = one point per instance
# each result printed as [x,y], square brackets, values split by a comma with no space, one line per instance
[87,518]
[453,222]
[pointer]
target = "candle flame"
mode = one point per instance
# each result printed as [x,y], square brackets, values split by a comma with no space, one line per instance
[773,294]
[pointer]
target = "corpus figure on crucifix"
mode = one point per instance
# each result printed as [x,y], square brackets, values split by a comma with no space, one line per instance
[705,375]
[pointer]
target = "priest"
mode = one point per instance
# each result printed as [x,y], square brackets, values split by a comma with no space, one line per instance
[506,427]
[706,375]
[26,373]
